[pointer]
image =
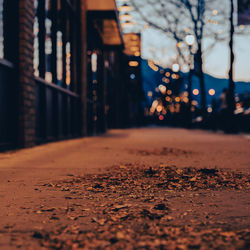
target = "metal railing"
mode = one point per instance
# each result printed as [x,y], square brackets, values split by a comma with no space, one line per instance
[58,112]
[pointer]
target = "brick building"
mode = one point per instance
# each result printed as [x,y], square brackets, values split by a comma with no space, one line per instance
[61,70]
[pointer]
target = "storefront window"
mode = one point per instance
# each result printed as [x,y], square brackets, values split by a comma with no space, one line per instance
[56,27]
[59,58]
[48,41]
[36,42]
[68,64]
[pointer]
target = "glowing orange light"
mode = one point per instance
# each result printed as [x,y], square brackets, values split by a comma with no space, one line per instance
[179,44]
[152,110]
[68,80]
[177,99]
[125,16]
[168,99]
[209,110]
[125,7]
[194,103]
[152,66]
[159,108]
[211,92]
[162,88]
[134,48]
[137,53]
[127,24]
[150,94]
[215,12]
[174,76]
[196,92]
[133,63]
[166,80]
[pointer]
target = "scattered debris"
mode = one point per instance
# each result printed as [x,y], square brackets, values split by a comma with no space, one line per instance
[131,207]
[165,151]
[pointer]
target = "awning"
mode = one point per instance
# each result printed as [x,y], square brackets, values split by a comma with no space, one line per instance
[104,14]
[101,5]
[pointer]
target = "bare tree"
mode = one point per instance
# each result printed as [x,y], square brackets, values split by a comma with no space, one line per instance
[230,99]
[179,18]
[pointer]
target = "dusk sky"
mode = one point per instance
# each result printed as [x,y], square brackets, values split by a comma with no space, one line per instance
[161,49]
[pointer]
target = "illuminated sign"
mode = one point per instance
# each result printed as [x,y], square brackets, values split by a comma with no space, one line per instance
[133,63]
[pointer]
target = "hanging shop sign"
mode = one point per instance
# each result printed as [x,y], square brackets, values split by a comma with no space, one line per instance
[243,12]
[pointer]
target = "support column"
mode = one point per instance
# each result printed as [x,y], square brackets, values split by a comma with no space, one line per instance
[26,74]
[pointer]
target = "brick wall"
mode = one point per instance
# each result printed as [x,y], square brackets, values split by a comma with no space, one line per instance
[26,74]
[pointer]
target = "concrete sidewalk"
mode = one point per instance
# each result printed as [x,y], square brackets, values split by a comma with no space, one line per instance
[23,172]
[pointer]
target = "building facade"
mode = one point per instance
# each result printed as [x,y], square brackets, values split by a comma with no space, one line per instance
[61,70]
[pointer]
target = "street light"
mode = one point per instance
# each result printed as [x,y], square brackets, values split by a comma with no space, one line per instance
[125,16]
[189,40]
[127,24]
[175,67]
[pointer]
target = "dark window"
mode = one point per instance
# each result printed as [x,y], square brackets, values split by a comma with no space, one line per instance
[8,30]
[1,30]
[56,41]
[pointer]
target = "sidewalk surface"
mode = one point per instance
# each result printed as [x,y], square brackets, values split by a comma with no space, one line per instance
[165,188]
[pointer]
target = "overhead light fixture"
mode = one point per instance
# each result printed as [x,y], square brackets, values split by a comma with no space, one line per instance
[125,7]
[125,16]
[127,24]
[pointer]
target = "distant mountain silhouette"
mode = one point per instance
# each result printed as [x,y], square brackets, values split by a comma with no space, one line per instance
[152,79]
